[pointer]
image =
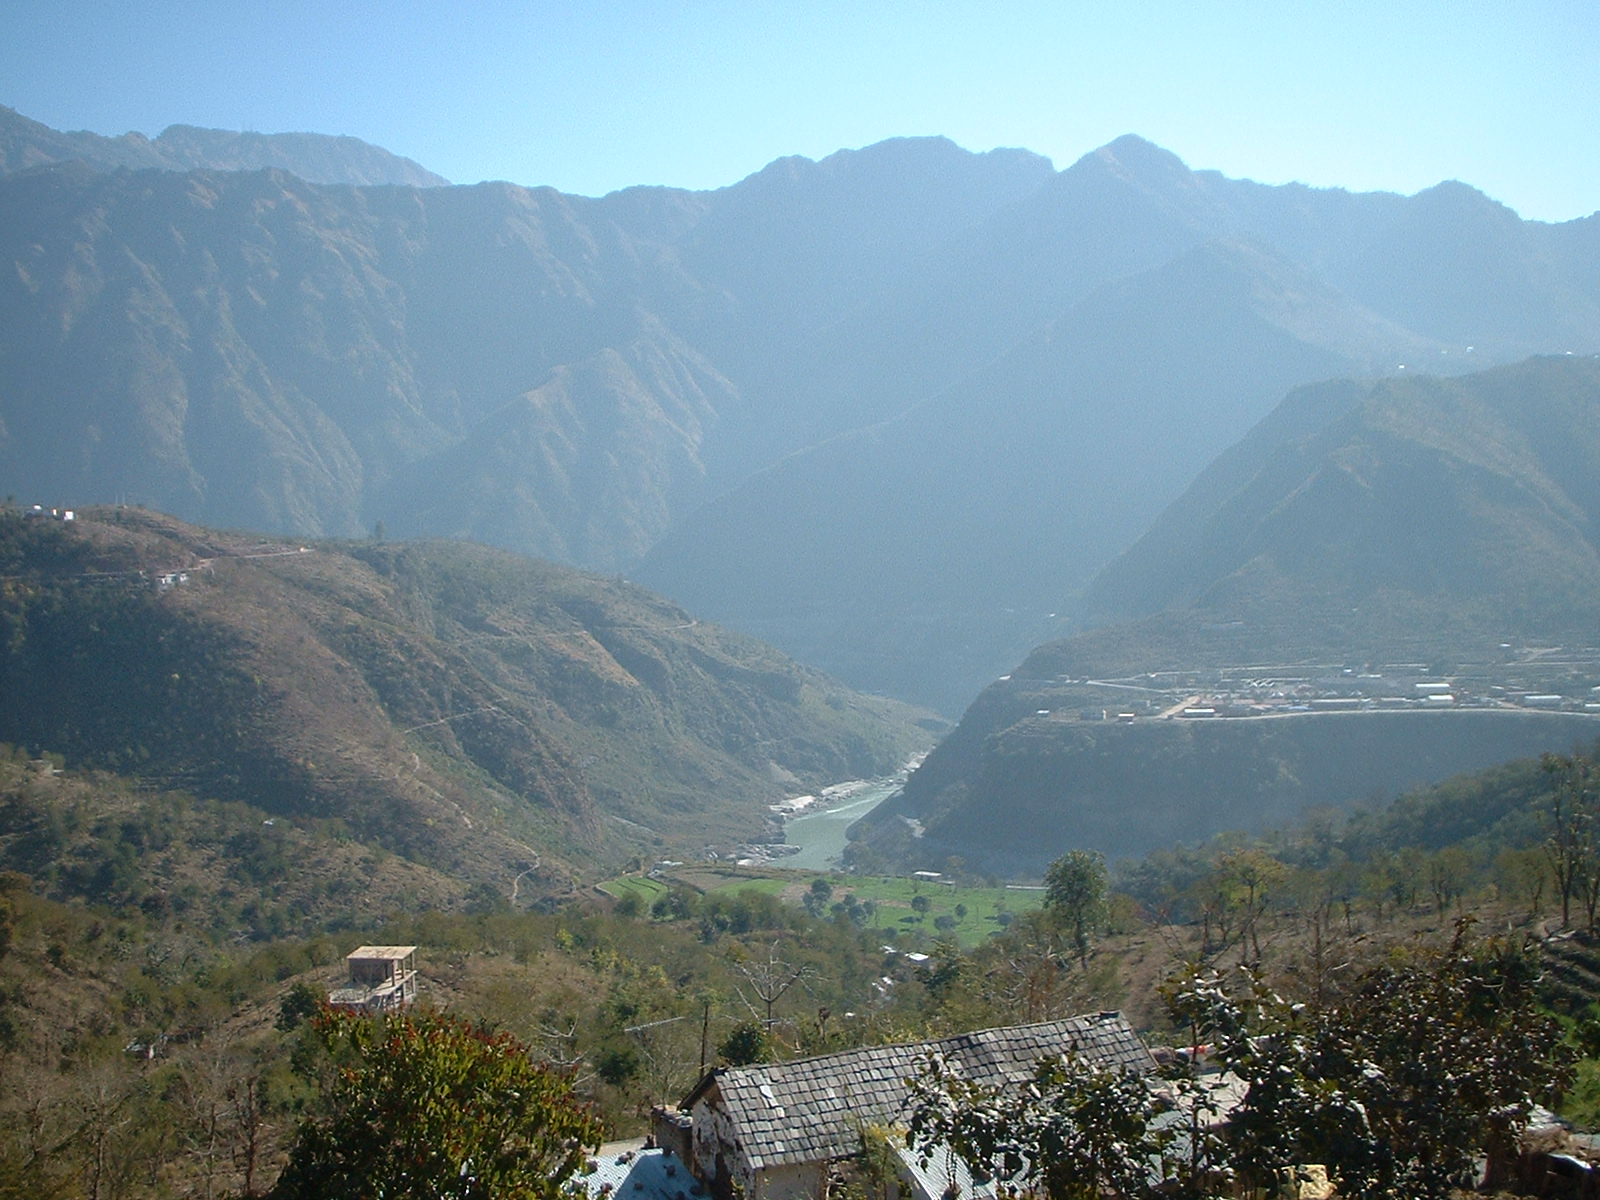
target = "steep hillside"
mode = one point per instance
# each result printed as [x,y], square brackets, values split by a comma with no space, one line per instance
[1448,524]
[956,531]
[1015,791]
[222,869]
[471,710]
[1471,501]
[1108,335]
[542,371]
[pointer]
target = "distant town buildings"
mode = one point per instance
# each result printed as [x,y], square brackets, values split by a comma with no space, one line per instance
[1553,680]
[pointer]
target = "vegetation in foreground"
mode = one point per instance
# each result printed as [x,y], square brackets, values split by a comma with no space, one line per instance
[153,1045]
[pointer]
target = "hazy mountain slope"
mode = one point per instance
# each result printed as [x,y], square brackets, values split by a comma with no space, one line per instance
[467,708]
[970,298]
[954,531]
[314,157]
[269,353]
[1418,519]
[819,257]
[1475,495]
[263,352]
[923,554]
[591,465]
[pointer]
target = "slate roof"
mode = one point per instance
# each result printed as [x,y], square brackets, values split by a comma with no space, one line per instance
[812,1109]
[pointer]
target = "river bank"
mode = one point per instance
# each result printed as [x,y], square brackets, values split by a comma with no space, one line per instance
[818,829]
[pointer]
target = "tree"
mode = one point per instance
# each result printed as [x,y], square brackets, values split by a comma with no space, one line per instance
[1247,877]
[424,1105]
[817,897]
[1075,892]
[300,1002]
[1428,1060]
[770,981]
[1570,819]
[746,1043]
[1076,1131]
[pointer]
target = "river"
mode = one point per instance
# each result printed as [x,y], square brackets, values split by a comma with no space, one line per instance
[820,835]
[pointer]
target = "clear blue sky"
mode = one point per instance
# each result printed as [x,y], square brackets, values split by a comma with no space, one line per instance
[1397,95]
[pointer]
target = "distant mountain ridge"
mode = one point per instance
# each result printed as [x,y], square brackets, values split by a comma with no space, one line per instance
[315,157]
[888,410]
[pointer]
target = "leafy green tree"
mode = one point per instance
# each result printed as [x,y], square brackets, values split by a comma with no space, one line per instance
[817,897]
[299,1002]
[1248,877]
[1428,1060]
[424,1105]
[746,1043]
[1075,893]
[1076,1131]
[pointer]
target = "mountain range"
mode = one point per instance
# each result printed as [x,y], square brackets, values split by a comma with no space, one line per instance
[315,157]
[890,411]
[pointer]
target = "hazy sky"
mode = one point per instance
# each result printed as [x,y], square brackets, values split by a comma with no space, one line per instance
[1397,95]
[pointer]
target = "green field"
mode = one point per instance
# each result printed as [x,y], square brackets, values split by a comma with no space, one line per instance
[647,889]
[887,903]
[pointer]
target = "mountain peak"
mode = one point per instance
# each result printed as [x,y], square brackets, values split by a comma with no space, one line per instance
[1132,157]
[1454,199]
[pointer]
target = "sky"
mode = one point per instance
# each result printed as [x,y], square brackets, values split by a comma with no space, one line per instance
[588,98]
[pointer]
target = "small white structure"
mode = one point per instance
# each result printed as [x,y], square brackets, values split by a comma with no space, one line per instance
[382,979]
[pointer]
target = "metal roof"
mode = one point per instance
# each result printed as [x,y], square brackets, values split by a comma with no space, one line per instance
[813,1109]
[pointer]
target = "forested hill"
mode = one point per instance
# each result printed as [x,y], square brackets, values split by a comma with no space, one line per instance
[478,712]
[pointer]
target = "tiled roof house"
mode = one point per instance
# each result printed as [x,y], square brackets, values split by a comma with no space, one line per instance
[772,1130]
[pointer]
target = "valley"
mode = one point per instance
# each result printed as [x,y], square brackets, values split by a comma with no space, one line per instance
[898,594]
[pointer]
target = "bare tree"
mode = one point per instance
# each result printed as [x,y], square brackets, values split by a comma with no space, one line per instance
[1570,820]
[769,980]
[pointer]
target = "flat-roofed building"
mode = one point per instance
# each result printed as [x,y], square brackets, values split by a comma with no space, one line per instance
[382,978]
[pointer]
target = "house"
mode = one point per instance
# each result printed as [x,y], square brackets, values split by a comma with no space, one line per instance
[638,1173]
[771,1131]
[382,978]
